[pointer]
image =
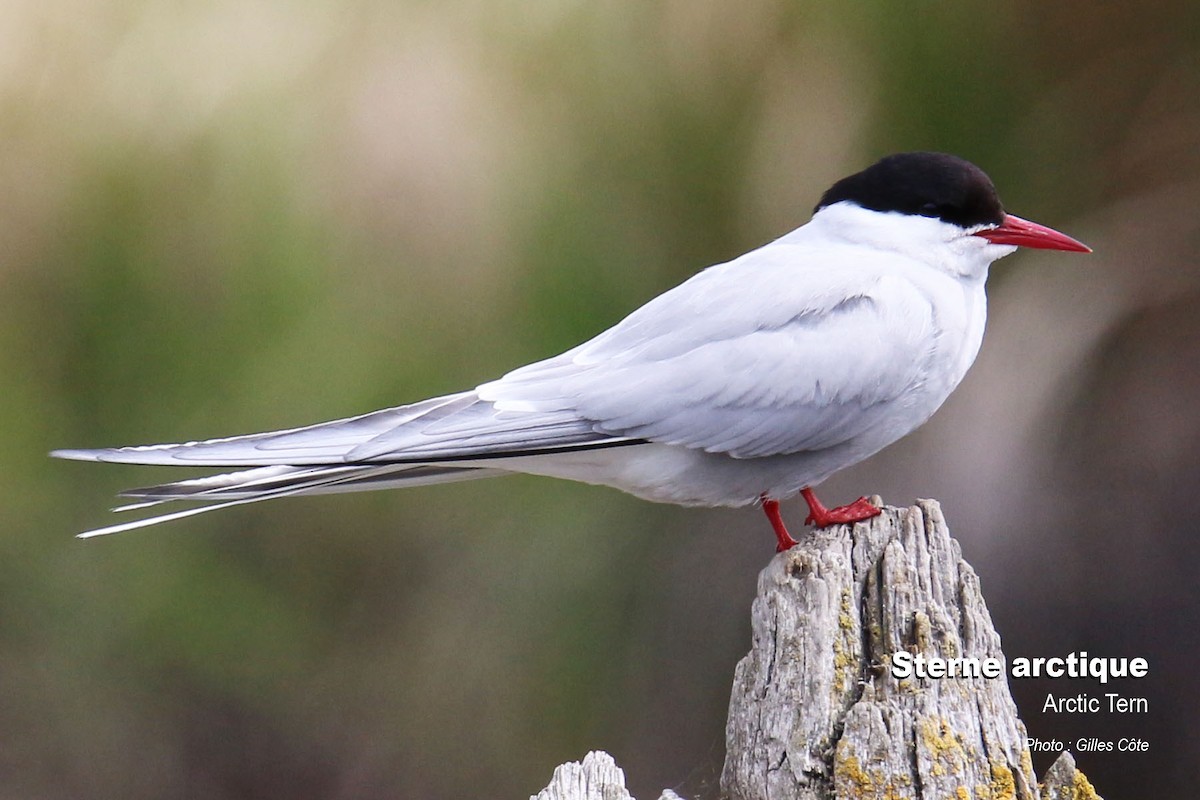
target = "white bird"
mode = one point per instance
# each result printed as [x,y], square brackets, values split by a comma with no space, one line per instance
[751,381]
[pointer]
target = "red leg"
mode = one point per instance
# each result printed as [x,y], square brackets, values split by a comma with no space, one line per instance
[781,532]
[823,517]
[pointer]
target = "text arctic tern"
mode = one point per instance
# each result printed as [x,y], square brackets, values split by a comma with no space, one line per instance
[751,381]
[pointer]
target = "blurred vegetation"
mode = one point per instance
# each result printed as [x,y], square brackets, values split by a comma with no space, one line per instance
[229,217]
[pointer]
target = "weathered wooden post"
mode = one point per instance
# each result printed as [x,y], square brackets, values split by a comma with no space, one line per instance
[816,711]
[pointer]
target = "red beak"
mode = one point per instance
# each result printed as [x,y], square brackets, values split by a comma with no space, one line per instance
[1024,233]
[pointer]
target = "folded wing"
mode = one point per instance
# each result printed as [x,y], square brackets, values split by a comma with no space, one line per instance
[750,368]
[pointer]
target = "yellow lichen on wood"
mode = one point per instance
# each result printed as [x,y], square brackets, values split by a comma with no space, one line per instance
[1004,785]
[849,774]
[845,618]
[1082,789]
[946,749]
[921,629]
[1026,761]
[851,780]
[845,648]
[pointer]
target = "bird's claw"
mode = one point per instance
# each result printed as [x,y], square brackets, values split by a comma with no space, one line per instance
[857,511]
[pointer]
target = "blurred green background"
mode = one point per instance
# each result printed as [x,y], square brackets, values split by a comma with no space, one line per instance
[224,217]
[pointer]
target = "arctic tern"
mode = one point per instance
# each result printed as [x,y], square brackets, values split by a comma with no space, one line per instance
[752,381]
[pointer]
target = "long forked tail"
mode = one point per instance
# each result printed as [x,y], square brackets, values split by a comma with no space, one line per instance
[451,438]
[266,483]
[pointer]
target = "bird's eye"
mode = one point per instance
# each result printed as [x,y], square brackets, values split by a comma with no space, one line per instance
[930,210]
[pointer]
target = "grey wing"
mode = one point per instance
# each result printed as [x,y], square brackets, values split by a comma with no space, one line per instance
[749,376]
[454,427]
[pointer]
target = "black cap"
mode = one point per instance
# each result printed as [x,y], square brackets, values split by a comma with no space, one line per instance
[925,184]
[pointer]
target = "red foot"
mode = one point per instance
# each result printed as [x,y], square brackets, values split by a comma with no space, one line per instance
[822,517]
[771,507]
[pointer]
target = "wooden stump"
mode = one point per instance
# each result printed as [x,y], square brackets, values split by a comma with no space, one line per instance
[816,711]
